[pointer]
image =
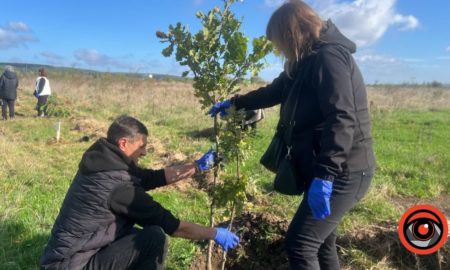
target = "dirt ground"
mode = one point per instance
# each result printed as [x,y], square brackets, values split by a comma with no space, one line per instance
[262,237]
[261,245]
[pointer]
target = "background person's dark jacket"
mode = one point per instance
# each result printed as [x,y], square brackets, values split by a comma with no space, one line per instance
[332,125]
[105,200]
[8,85]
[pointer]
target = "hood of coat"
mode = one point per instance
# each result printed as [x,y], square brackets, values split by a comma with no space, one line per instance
[104,156]
[331,35]
[10,75]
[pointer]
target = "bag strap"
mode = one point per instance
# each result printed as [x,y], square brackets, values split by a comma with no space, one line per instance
[286,125]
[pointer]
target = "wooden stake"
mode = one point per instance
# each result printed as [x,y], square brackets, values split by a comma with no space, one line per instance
[58,131]
[213,202]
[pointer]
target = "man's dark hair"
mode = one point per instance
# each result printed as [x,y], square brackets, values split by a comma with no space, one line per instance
[125,126]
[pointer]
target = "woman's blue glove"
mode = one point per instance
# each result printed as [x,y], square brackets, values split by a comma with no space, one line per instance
[220,107]
[226,239]
[207,161]
[319,198]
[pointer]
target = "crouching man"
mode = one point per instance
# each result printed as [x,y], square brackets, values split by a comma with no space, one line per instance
[95,228]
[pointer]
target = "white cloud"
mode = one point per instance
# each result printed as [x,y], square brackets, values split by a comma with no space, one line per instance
[96,59]
[372,58]
[388,69]
[52,58]
[16,60]
[448,49]
[15,34]
[17,26]
[92,57]
[409,22]
[412,60]
[365,21]
[375,59]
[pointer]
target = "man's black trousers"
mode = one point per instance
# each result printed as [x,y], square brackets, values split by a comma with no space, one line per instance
[7,103]
[141,249]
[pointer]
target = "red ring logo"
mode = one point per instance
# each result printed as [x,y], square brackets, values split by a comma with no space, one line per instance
[423,229]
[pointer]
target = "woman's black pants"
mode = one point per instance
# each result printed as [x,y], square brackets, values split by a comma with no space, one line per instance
[311,243]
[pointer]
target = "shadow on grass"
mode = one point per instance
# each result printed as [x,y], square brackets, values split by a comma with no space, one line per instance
[207,133]
[20,249]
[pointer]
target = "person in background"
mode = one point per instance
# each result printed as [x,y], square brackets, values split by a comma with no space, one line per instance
[42,91]
[251,119]
[95,228]
[8,92]
[332,143]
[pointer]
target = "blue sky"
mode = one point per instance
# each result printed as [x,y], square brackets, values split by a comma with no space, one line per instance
[398,40]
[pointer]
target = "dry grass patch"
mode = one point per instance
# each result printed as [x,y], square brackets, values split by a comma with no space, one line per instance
[90,127]
[411,98]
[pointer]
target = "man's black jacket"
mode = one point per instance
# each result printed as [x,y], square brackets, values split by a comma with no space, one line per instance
[332,125]
[105,200]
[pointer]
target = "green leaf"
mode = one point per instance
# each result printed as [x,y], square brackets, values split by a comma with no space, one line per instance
[168,51]
[200,15]
[205,32]
[237,48]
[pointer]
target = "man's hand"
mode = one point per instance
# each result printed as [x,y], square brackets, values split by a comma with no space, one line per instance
[220,107]
[319,197]
[207,161]
[226,239]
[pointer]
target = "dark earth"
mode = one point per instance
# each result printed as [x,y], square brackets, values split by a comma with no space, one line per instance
[262,237]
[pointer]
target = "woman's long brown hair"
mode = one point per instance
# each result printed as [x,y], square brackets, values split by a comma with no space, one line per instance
[294,28]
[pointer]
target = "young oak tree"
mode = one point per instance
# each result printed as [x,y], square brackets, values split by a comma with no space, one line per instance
[219,58]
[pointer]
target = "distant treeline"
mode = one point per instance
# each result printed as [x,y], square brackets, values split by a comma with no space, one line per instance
[432,84]
[33,68]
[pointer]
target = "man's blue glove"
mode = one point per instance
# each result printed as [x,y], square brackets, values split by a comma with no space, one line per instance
[220,107]
[226,239]
[319,198]
[207,161]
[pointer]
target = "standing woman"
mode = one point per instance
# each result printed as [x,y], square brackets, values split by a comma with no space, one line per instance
[42,91]
[332,145]
[8,91]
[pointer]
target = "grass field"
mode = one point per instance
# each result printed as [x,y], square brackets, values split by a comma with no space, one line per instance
[411,130]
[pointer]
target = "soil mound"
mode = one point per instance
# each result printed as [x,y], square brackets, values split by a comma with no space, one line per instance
[261,245]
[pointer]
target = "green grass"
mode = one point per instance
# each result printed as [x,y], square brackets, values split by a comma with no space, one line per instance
[413,154]
[412,149]
[192,206]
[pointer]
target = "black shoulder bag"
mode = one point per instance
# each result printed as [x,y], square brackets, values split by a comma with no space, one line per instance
[277,157]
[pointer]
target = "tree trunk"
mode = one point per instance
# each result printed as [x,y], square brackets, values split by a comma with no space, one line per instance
[213,202]
[224,256]
[238,178]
